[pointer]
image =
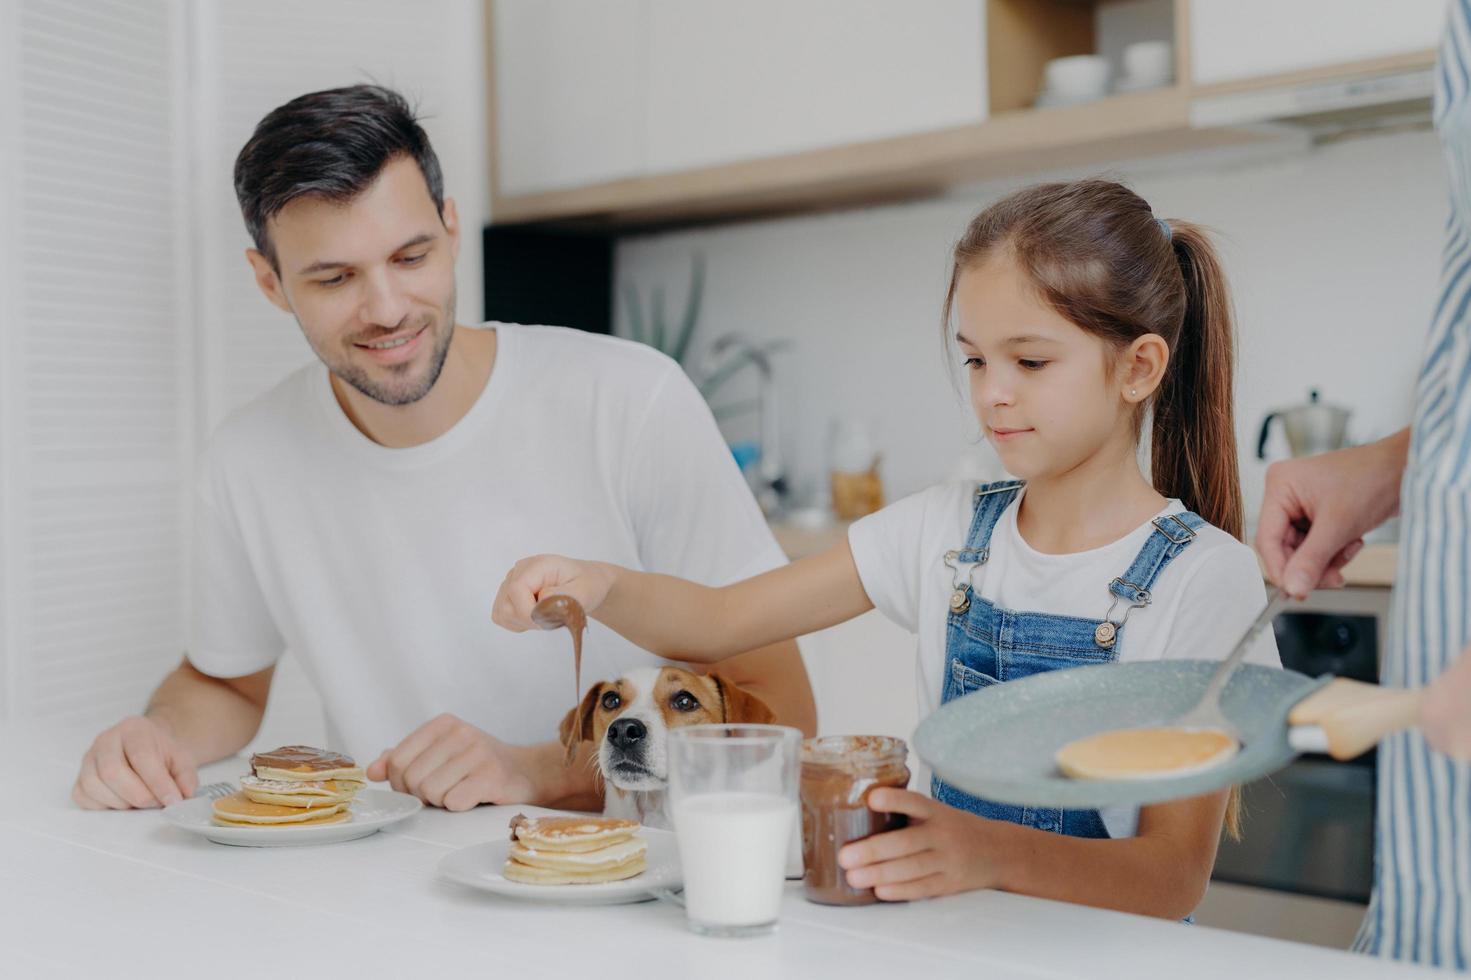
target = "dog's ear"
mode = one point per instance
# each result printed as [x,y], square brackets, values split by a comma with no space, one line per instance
[741,706]
[577,724]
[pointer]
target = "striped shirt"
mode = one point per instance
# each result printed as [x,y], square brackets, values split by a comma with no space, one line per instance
[1421,908]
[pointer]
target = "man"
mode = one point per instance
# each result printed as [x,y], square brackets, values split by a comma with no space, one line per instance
[363,515]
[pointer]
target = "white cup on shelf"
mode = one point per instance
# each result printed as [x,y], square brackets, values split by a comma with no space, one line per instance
[1076,78]
[1148,64]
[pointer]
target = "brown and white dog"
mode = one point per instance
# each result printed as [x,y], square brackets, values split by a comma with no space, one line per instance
[629,721]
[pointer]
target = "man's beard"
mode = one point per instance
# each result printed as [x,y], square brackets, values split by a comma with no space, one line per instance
[408,392]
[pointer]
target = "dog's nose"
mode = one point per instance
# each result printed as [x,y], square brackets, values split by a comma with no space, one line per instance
[626,733]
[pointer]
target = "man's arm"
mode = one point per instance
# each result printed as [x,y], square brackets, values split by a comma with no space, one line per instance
[452,764]
[211,717]
[152,759]
[777,675]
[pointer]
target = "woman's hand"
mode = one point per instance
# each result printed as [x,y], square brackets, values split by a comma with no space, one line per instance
[942,851]
[532,579]
[1316,511]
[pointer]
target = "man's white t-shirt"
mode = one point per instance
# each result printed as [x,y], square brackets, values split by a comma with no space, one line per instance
[377,567]
[1201,602]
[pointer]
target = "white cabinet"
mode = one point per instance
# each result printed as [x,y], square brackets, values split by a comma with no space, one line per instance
[1235,40]
[761,78]
[591,91]
[569,92]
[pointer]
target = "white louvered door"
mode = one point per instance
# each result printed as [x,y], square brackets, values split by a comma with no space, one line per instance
[94,354]
[129,324]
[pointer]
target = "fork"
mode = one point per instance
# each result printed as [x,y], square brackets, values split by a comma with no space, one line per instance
[214,791]
[1207,711]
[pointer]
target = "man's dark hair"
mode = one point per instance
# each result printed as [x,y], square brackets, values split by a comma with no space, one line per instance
[331,145]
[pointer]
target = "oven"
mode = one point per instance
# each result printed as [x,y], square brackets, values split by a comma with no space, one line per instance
[1309,828]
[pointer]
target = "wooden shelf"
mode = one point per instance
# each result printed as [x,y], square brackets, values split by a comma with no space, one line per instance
[1012,143]
[1015,140]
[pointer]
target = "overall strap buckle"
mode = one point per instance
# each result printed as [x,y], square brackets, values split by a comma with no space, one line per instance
[1106,633]
[977,550]
[1005,486]
[1175,532]
[1185,533]
[960,591]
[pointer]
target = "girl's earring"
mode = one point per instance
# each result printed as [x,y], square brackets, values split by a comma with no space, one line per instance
[1133,392]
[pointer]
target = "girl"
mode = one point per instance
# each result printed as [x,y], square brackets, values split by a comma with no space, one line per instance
[1077,314]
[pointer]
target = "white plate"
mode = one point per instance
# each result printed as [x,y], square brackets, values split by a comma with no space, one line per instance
[479,866]
[372,810]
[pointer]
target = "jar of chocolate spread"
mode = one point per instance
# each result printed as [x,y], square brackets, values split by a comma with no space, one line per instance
[837,774]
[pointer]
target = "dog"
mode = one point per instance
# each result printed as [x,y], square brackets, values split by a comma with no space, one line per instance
[629,721]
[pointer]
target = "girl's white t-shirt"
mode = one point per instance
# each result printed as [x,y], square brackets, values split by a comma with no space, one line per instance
[1201,601]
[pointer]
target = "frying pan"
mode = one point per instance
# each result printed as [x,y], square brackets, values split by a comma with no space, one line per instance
[1000,742]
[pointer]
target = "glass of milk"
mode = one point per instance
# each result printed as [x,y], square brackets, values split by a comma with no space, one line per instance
[733,800]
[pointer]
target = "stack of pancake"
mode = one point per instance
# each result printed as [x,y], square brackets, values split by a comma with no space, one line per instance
[293,786]
[574,850]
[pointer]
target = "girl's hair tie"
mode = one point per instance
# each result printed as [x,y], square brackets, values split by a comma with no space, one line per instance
[1165,227]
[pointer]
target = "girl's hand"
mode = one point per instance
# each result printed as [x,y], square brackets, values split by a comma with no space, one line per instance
[532,579]
[941,852]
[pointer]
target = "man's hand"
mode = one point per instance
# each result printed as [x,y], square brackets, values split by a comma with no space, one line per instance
[1316,511]
[137,763]
[942,851]
[1445,714]
[452,764]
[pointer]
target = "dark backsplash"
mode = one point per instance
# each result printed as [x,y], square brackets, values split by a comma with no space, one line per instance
[549,277]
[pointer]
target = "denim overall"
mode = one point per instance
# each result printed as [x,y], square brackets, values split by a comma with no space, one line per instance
[986,645]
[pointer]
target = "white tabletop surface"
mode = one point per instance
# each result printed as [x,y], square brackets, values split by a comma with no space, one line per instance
[126,894]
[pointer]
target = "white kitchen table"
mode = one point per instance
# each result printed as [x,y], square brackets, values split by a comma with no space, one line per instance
[127,894]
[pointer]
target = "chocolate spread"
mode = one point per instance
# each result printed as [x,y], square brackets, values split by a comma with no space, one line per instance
[563,610]
[517,822]
[301,758]
[837,774]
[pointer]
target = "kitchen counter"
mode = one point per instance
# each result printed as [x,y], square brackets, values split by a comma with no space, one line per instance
[1374,567]
[87,893]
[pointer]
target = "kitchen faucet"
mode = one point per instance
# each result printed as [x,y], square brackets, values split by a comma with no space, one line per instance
[727,356]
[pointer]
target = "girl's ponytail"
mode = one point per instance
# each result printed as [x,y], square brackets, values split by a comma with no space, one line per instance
[1193,449]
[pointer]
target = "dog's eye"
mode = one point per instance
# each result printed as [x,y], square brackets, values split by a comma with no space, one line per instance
[611,701]
[684,701]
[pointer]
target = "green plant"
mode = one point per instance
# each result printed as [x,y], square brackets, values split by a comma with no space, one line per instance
[657,332]
[674,339]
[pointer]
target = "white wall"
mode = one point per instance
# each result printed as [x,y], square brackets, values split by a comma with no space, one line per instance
[1333,253]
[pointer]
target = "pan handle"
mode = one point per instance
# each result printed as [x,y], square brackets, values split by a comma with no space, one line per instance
[1355,716]
[1307,738]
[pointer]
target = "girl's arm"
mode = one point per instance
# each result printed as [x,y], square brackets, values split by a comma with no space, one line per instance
[1162,872]
[680,620]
